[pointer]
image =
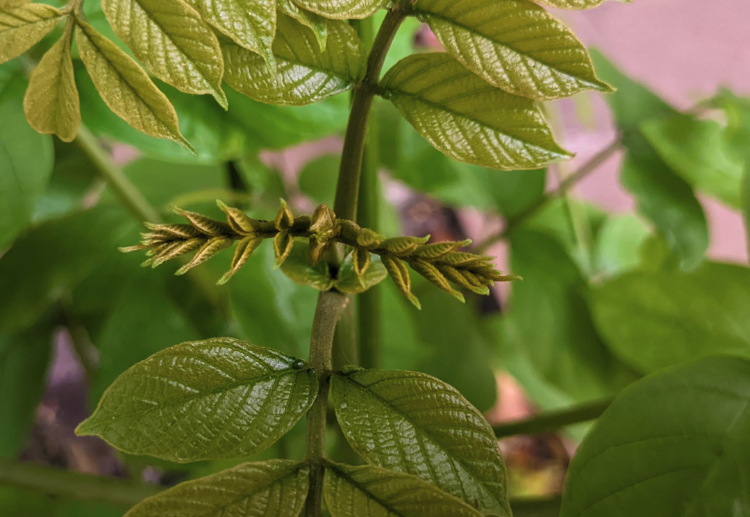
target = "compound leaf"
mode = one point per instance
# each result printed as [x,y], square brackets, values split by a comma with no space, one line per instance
[305,73]
[343,9]
[376,492]
[219,398]
[275,488]
[172,41]
[414,423]
[23,26]
[515,45]
[52,104]
[126,88]
[674,443]
[468,119]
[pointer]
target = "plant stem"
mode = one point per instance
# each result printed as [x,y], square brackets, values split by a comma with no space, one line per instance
[553,420]
[330,306]
[592,165]
[76,485]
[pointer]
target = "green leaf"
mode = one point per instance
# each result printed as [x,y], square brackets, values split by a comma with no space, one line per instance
[23,26]
[376,492]
[348,281]
[553,321]
[318,178]
[24,359]
[575,4]
[656,319]
[51,104]
[699,151]
[746,200]
[343,9]
[411,422]
[172,41]
[674,443]
[667,200]
[26,161]
[514,45]
[316,23]
[305,73]
[219,398]
[275,488]
[618,245]
[298,269]
[468,119]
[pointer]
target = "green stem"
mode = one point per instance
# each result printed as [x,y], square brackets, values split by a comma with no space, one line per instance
[66,483]
[553,420]
[330,306]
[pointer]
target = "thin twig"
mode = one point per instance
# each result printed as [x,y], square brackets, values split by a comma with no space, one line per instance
[550,421]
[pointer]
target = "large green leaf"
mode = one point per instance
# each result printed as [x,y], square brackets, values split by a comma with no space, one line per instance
[414,423]
[515,45]
[219,398]
[376,492]
[24,358]
[656,319]
[618,245]
[553,321]
[249,23]
[343,9]
[23,26]
[275,488]
[468,119]
[699,151]
[305,73]
[26,161]
[315,22]
[673,444]
[172,41]
[125,87]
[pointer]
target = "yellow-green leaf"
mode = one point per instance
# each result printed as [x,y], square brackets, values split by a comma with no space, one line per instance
[23,26]
[298,269]
[275,488]
[343,9]
[51,103]
[514,45]
[126,88]
[376,492]
[249,23]
[7,4]
[219,398]
[468,119]
[315,22]
[348,281]
[172,41]
[414,423]
[305,74]
[576,4]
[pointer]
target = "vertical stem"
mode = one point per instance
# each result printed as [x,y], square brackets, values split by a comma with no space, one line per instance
[330,306]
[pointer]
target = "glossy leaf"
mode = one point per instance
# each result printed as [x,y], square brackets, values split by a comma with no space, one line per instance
[172,41]
[52,104]
[657,319]
[376,492]
[468,119]
[674,443]
[315,22]
[220,398]
[249,23]
[23,26]
[514,45]
[275,488]
[343,9]
[125,87]
[26,161]
[411,422]
[305,73]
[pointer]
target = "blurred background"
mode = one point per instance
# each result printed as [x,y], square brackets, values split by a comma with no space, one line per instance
[655,184]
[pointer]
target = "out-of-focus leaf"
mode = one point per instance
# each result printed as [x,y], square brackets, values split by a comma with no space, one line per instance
[318,178]
[375,492]
[306,74]
[698,150]
[575,4]
[343,9]
[24,358]
[657,319]
[618,245]
[31,503]
[298,269]
[23,26]
[746,201]
[26,161]
[553,321]
[402,348]
[468,119]
[674,443]
[385,413]
[219,398]
[514,45]
[262,489]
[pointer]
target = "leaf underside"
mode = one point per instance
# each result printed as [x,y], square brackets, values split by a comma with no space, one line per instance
[23,26]
[343,9]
